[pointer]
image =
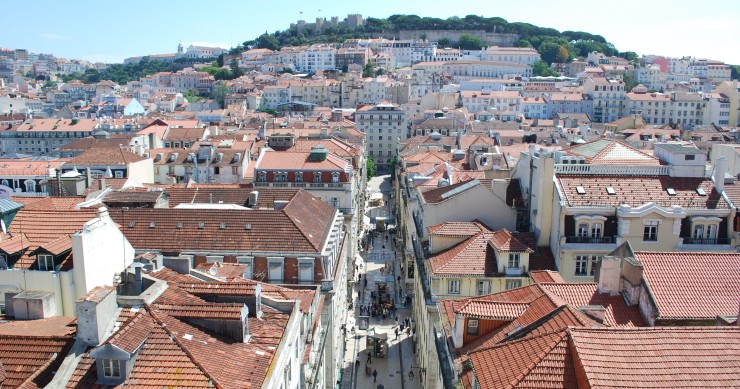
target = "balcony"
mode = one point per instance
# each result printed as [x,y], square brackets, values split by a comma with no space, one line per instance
[588,239]
[711,241]
[515,271]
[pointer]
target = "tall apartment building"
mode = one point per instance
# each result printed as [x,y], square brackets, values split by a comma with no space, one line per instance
[384,126]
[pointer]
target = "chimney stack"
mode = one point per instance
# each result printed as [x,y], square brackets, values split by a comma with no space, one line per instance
[720,169]
[608,274]
[138,279]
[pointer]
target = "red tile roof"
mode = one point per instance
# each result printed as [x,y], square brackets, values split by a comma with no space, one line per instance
[302,226]
[545,276]
[294,160]
[491,309]
[611,152]
[66,203]
[457,228]
[651,189]
[618,313]
[31,351]
[473,256]
[504,240]
[44,227]
[104,157]
[682,357]
[692,285]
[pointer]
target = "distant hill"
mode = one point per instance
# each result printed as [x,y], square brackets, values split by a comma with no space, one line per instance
[470,32]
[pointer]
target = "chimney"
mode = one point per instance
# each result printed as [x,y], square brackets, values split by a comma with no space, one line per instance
[253,197]
[720,169]
[95,315]
[101,183]
[138,280]
[608,274]
[88,177]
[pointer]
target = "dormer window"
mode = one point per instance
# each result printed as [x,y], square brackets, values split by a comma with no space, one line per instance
[111,368]
[299,177]
[45,262]
[335,177]
[262,177]
[317,177]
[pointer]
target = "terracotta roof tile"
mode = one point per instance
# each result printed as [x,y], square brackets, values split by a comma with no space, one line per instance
[457,228]
[612,152]
[504,240]
[104,157]
[682,357]
[545,276]
[692,285]
[491,309]
[618,313]
[651,189]
[473,256]
[66,203]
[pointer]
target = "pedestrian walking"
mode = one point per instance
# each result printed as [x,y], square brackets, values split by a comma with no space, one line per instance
[375,375]
[369,357]
[396,331]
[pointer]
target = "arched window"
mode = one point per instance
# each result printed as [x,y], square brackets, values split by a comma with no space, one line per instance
[699,231]
[30,185]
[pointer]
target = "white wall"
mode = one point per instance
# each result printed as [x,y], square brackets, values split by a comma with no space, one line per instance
[43,281]
[100,251]
[142,171]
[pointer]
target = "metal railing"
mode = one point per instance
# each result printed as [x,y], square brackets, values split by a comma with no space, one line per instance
[588,239]
[688,240]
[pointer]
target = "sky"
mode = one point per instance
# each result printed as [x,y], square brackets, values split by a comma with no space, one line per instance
[111,31]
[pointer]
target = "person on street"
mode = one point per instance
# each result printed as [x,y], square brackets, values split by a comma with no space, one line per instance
[375,375]
[369,357]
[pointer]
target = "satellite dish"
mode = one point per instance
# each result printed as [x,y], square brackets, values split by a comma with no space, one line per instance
[212,271]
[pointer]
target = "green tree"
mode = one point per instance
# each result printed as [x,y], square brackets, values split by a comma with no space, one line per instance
[369,167]
[522,43]
[549,51]
[630,56]
[469,42]
[236,71]
[267,41]
[629,82]
[540,68]
[368,71]
[272,112]
[219,93]
[563,54]
[191,96]
[379,72]
[443,42]
[735,71]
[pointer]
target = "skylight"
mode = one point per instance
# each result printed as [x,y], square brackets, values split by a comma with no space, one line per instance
[671,191]
[580,190]
[701,192]
[610,190]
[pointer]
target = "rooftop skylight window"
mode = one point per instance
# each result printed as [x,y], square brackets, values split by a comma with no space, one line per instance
[580,190]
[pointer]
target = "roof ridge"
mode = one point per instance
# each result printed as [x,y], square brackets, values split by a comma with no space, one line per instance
[460,247]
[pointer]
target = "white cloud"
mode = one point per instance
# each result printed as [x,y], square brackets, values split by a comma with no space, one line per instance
[55,37]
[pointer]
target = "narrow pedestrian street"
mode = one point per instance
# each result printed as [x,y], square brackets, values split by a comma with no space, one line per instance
[379,291]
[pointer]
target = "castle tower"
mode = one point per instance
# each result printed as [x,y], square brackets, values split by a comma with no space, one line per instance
[179,48]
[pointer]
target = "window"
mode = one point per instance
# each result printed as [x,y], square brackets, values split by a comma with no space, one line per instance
[699,231]
[484,287]
[280,176]
[335,177]
[45,262]
[594,260]
[689,157]
[305,270]
[275,269]
[235,170]
[596,230]
[650,233]
[111,368]
[473,327]
[317,177]
[248,263]
[299,177]
[214,258]
[30,185]
[581,265]
[583,230]
[119,174]
[511,284]
[262,177]
[711,231]
[453,286]
[216,170]
[513,260]
[5,183]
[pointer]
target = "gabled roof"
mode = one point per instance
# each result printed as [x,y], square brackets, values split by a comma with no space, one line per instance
[692,285]
[503,240]
[618,313]
[301,226]
[31,351]
[457,228]
[660,357]
[104,157]
[612,152]
[473,256]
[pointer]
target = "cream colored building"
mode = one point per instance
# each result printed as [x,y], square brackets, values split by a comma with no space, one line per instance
[605,193]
